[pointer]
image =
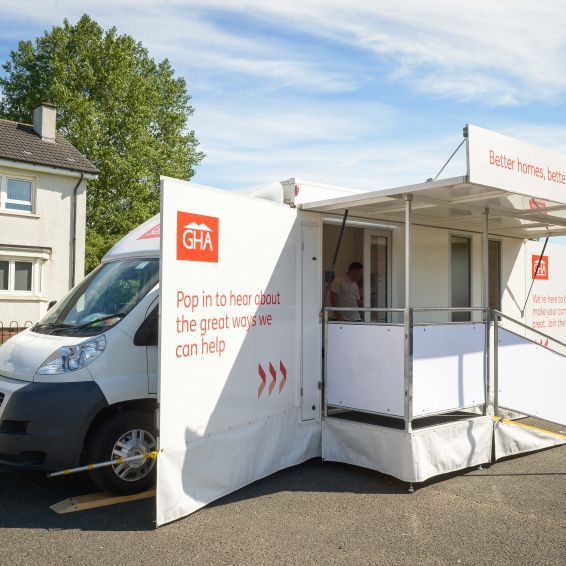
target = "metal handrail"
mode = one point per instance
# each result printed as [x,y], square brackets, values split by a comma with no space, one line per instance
[526,327]
[363,309]
[415,309]
[449,309]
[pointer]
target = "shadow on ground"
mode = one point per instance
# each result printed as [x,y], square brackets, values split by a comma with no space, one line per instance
[27,495]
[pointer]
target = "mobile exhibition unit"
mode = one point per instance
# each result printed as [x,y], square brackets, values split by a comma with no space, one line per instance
[464,318]
[255,377]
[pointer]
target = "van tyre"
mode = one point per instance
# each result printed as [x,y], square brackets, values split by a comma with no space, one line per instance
[122,435]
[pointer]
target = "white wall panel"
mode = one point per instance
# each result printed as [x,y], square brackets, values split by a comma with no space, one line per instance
[532,378]
[365,367]
[447,367]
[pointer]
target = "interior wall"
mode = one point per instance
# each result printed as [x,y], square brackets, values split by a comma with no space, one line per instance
[431,267]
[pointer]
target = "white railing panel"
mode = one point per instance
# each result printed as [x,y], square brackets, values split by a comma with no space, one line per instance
[365,367]
[532,378]
[448,367]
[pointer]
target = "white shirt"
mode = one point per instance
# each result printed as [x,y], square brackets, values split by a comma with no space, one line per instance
[347,295]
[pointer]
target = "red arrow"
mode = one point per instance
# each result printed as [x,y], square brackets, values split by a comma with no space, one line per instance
[262,384]
[273,376]
[284,380]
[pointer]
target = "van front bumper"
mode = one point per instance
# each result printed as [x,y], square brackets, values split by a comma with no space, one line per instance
[43,425]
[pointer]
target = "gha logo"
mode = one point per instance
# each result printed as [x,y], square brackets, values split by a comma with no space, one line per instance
[540,271]
[197,237]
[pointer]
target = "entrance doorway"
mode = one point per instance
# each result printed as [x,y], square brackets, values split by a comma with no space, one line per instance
[372,248]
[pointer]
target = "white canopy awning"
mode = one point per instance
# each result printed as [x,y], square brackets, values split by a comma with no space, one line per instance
[456,204]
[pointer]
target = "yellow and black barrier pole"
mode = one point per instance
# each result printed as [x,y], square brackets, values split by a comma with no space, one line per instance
[89,467]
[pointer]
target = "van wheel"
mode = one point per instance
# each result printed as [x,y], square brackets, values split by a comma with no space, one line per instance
[123,435]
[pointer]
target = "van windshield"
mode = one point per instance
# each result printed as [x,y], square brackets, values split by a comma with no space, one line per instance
[106,296]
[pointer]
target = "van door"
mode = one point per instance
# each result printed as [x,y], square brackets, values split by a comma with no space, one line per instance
[147,337]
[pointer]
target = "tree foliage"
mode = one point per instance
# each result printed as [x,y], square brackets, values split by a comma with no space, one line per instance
[126,113]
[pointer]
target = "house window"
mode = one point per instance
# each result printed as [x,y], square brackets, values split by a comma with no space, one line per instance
[4,275]
[22,275]
[18,276]
[16,194]
[19,194]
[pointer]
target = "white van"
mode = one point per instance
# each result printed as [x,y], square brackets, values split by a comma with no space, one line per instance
[80,386]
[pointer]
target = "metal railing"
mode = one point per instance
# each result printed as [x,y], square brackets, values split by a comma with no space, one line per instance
[491,318]
[409,324]
[496,316]
[13,328]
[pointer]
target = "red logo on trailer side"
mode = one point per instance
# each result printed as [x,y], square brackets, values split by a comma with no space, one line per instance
[542,272]
[537,203]
[197,237]
[154,232]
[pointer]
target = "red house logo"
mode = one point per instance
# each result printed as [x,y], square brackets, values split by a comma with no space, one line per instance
[539,270]
[537,203]
[197,237]
[154,232]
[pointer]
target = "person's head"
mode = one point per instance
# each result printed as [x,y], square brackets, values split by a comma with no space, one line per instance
[355,271]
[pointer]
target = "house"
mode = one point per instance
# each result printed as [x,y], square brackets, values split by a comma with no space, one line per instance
[42,216]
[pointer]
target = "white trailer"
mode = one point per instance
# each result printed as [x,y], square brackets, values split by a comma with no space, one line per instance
[463,318]
[256,375]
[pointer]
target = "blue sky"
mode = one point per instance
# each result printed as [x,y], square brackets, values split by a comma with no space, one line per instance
[363,94]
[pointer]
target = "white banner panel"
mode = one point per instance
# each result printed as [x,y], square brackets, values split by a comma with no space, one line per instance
[411,457]
[365,367]
[532,378]
[506,163]
[447,367]
[229,390]
[513,438]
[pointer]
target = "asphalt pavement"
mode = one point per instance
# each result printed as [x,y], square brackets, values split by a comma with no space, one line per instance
[512,513]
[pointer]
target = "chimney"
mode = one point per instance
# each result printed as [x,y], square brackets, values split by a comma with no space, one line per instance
[44,121]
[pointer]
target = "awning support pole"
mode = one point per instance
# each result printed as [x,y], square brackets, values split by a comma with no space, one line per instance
[486,317]
[408,315]
[335,257]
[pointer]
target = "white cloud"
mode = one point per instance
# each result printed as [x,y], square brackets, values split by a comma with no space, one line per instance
[269,106]
[509,51]
[350,144]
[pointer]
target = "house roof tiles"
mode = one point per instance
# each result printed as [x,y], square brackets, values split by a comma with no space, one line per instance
[19,142]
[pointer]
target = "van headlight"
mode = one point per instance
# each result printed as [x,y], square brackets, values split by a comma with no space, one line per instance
[72,358]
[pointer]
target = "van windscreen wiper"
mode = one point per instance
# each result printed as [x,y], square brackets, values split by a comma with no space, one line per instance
[101,319]
[53,325]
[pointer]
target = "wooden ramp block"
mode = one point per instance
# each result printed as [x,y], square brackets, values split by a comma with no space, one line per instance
[93,500]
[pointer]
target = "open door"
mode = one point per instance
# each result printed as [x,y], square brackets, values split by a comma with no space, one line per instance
[230,363]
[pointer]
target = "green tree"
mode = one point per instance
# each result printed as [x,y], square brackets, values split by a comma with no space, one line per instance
[126,113]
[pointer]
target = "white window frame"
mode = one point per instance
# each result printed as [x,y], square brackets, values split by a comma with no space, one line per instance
[4,200]
[36,275]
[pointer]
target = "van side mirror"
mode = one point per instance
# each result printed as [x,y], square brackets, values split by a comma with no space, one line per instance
[51,305]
